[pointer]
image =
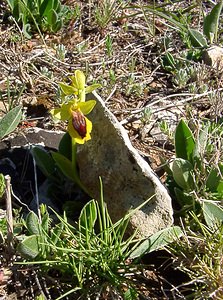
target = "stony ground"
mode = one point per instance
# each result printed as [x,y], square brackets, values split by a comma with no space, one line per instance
[124,56]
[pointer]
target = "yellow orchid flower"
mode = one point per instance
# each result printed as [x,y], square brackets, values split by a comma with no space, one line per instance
[78,86]
[79,127]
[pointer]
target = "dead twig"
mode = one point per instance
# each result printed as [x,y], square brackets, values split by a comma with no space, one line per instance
[9,213]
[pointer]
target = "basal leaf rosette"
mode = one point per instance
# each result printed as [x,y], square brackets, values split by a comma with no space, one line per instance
[79,127]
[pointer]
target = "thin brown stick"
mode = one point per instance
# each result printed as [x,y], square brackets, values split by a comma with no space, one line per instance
[9,213]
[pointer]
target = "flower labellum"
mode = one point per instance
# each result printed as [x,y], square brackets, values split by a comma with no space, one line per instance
[79,123]
[79,127]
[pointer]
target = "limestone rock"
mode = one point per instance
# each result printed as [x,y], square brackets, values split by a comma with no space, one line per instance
[127,179]
[213,57]
[33,136]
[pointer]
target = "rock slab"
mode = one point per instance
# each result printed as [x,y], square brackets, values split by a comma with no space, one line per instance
[213,57]
[127,179]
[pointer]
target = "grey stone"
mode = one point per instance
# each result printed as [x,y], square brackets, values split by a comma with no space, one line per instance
[33,136]
[127,179]
[213,57]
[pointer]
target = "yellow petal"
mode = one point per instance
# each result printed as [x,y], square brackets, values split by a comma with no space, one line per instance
[86,107]
[56,113]
[89,126]
[65,111]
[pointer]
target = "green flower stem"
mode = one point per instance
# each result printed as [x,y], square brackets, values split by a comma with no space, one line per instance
[82,95]
[74,166]
[74,154]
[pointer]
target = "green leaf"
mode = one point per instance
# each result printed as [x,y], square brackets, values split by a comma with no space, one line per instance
[52,17]
[65,165]
[40,297]
[12,4]
[130,294]
[10,121]
[67,169]
[183,198]
[30,6]
[65,146]
[211,22]
[88,217]
[182,174]
[200,145]
[32,223]
[68,89]
[57,6]
[213,213]
[44,161]
[91,88]
[17,9]
[2,185]
[157,241]
[57,26]
[214,179]
[168,62]
[29,247]
[45,224]
[45,7]
[197,38]
[184,142]
[220,188]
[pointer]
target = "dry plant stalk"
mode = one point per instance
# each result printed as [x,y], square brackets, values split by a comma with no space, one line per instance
[9,213]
